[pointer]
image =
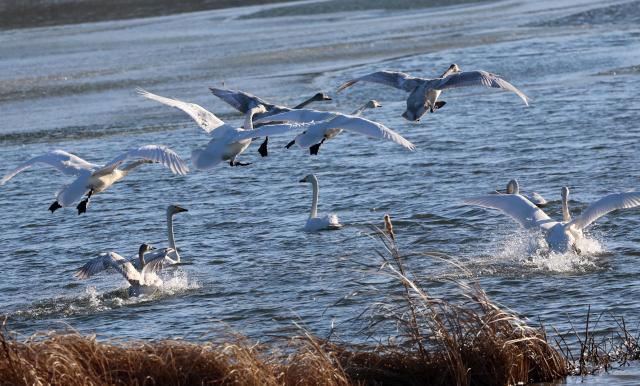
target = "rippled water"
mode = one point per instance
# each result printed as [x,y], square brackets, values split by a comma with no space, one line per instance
[252,267]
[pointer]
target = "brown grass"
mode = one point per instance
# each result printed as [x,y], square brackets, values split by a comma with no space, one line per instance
[470,342]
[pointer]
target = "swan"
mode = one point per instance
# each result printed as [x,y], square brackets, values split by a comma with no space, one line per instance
[173,257]
[243,102]
[227,141]
[143,281]
[560,236]
[319,126]
[92,178]
[315,223]
[424,92]
[514,188]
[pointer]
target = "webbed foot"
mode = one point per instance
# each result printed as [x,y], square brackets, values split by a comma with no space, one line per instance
[82,206]
[290,144]
[55,206]
[263,147]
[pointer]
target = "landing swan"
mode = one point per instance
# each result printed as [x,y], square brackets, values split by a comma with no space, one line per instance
[142,282]
[318,126]
[92,178]
[243,102]
[227,142]
[424,92]
[173,257]
[560,236]
[514,188]
[315,223]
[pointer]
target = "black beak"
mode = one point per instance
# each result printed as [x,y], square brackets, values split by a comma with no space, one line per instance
[303,180]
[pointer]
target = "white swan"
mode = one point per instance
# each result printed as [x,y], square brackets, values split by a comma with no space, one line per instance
[514,188]
[227,141]
[243,102]
[173,257]
[92,178]
[315,223]
[144,281]
[560,236]
[424,92]
[319,126]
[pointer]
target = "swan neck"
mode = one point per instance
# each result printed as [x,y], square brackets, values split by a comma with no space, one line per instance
[248,120]
[359,111]
[141,258]
[305,103]
[566,216]
[172,241]
[314,203]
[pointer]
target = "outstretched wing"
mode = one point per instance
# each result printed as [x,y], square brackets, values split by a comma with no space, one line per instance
[478,78]
[157,259]
[362,126]
[271,130]
[605,205]
[153,153]
[240,100]
[67,163]
[205,119]
[109,260]
[395,79]
[301,115]
[518,207]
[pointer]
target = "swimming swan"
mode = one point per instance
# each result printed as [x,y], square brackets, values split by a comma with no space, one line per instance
[315,223]
[317,126]
[514,188]
[144,281]
[560,236]
[424,92]
[227,142]
[243,102]
[92,178]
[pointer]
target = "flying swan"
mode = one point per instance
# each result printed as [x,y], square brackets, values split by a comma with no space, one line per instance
[424,92]
[560,236]
[315,223]
[143,281]
[227,142]
[243,102]
[92,178]
[318,126]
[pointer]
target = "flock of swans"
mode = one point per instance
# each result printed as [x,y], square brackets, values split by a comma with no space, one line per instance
[309,129]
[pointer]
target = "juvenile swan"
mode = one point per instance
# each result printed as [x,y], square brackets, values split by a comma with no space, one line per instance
[227,142]
[424,92]
[92,178]
[243,102]
[318,126]
[514,188]
[315,223]
[142,282]
[560,236]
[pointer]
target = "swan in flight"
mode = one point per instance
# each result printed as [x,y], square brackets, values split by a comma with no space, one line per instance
[315,223]
[424,92]
[227,142]
[514,188]
[319,126]
[243,102]
[560,236]
[143,281]
[92,178]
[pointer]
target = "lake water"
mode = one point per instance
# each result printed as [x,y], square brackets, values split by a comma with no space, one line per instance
[252,268]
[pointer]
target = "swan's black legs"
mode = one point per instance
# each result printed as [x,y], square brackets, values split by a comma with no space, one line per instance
[313,150]
[236,163]
[55,206]
[263,148]
[82,206]
[290,144]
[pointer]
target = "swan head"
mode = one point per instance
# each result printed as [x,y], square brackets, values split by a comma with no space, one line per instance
[373,104]
[259,109]
[453,69]
[513,187]
[565,192]
[309,178]
[321,97]
[144,248]
[173,209]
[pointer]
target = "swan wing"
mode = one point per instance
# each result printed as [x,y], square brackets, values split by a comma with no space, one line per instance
[478,78]
[271,130]
[153,153]
[395,79]
[67,163]
[523,211]
[109,260]
[300,115]
[363,126]
[204,118]
[157,259]
[605,205]
[240,100]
